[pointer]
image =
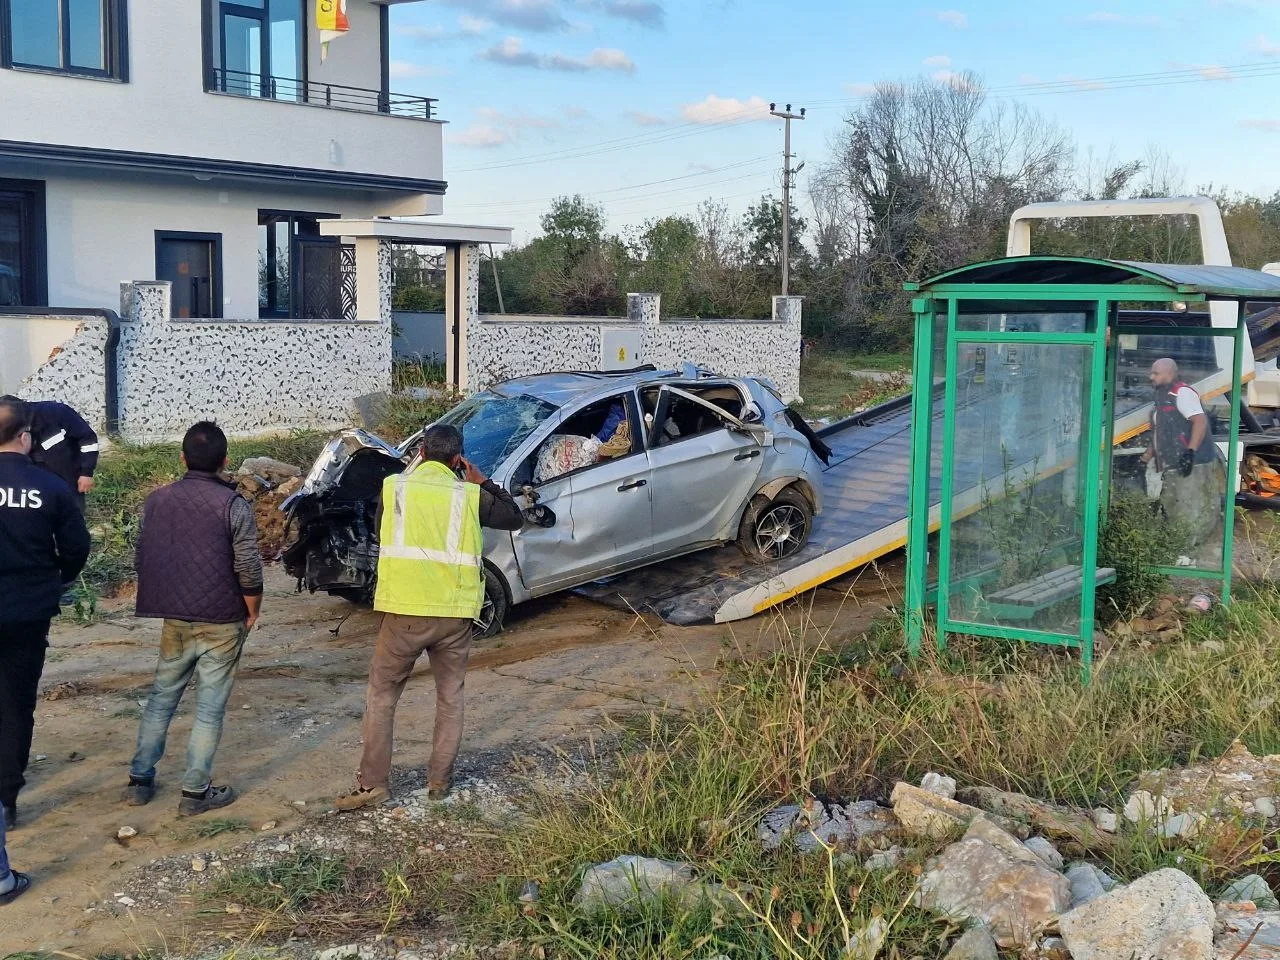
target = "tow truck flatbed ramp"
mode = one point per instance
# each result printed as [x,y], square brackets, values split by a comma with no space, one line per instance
[864,517]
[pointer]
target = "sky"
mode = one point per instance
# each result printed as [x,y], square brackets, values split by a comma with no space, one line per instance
[650,107]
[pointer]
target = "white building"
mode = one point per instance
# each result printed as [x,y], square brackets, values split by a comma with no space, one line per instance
[199,142]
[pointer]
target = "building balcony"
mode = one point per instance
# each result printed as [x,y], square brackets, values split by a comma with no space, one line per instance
[332,95]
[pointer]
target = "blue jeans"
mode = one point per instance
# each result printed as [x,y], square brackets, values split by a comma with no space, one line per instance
[211,651]
[4,857]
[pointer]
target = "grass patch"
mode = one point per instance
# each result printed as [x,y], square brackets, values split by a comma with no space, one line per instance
[286,886]
[405,413]
[208,829]
[127,473]
[829,391]
[811,720]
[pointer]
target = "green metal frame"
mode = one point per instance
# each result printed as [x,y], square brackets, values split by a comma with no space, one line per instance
[1096,442]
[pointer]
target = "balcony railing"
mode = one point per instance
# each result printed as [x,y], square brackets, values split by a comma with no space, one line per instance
[334,95]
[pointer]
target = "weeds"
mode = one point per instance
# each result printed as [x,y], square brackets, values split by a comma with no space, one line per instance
[419,396]
[208,829]
[285,886]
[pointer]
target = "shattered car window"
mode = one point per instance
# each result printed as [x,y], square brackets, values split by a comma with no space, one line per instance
[493,425]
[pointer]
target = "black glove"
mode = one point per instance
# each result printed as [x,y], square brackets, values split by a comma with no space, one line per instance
[1186,460]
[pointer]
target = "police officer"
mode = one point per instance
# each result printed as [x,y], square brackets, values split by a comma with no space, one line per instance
[43,544]
[64,444]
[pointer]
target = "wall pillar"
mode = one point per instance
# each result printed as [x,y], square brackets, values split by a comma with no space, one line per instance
[461,311]
[788,311]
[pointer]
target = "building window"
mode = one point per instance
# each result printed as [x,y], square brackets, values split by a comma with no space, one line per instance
[22,244]
[87,37]
[192,262]
[258,48]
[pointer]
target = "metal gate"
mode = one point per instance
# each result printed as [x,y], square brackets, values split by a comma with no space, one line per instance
[325,280]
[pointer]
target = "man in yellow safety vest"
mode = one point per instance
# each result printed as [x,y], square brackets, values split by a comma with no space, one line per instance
[430,590]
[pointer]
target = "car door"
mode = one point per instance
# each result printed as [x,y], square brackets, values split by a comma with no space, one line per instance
[603,516]
[701,478]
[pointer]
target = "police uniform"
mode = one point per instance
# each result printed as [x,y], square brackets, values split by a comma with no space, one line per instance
[43,544]
[63,443]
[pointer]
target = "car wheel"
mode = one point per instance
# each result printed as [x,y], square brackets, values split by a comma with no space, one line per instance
[775,529]
[494,610]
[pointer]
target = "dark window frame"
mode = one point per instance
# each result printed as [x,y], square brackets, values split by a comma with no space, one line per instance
[290,217]
[215,265]
[115,39]
[213,42]
[32,192]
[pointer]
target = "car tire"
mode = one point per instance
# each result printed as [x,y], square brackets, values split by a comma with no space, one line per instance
[494,611]
[773,530]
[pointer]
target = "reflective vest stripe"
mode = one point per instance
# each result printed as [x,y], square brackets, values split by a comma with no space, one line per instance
[398,551]
[53,441]
[452,552]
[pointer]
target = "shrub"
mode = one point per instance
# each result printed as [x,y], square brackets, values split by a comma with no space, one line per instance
[1134,539]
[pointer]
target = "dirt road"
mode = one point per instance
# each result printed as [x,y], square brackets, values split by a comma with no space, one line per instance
[291,740]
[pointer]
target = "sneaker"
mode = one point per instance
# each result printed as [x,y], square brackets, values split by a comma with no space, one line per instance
[22,886]
[139,792]
[10,815]
[362,797]
[437,791]
[213,798]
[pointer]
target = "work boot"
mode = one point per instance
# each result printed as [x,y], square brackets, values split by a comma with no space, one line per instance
[438,791]
[10,815]
[21,884]
[139,792]
[362,796]
[213,798]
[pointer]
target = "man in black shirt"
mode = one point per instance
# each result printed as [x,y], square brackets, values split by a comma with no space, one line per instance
[43,544]
[64,444]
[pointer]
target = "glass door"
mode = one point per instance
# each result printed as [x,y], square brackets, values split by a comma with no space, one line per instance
[244,52]
[22,281]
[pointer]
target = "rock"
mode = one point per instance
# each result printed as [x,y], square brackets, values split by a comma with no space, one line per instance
[1252,888]
[1237,927]
[865,944]
[1220,787]
[990,877]
[630,879]
[811,826]
[290,487]
[937,783]
[351,951]
[1143,807]
[885,859]
[925,814]
[198,864]
[530,892]
[1105,820]
[1183,825]
[1046,851]
[270,469]
[1087,883]
[1163,915]
[125,901]
[126,833]
[1052,948]
[976,944]
[269,825]
[1265,807]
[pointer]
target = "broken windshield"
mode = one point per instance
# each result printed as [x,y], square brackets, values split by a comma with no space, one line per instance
[493,425]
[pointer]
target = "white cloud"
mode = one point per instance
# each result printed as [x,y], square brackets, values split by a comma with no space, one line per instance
[942,60]
[1270,126]
[511,53]
[644,12]
[1264,46]
[952,18]
[474,26]
[725,110]
[479,136]
[645,119]
[861,89]
[1111,18]
[405,70]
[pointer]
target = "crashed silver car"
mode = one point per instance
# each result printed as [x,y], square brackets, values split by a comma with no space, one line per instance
[613,471]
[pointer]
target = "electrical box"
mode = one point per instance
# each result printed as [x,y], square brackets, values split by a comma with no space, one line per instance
[620,348]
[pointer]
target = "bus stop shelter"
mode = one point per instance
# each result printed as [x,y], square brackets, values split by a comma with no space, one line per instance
[1030,401]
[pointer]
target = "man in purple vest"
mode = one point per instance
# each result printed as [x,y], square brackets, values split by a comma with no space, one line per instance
[200,571]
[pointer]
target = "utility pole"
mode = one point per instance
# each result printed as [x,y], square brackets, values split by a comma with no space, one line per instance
[787,173]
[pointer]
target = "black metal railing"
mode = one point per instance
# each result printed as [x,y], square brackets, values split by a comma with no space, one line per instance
[336,95]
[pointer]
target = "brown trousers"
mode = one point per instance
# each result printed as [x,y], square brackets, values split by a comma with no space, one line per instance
[401,640]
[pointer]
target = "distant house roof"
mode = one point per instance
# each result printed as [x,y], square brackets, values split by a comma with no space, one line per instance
[1232,283]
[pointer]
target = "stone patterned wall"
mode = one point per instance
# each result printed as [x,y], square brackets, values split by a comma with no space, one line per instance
[502,346]
[76,374]
[251,376]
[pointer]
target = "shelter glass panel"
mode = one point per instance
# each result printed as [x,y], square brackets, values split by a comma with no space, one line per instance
[1015,316]
[1018,491]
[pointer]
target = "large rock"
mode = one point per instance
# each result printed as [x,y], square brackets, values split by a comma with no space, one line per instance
[1251,888]
[1223,787]
[1088,883]
[943,786]
[992,878]
[976,944]
[1163,916]
[1046,851]
[925,814]
[1236,927]
[818,823]
[629,880]
[269,469]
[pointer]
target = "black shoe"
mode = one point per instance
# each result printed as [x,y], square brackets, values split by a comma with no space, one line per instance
[10,816]
[24,884]
[213,798]
[139,792]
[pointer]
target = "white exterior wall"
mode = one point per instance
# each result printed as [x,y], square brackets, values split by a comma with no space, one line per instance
[101,232]
[76,375]
[164,109]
